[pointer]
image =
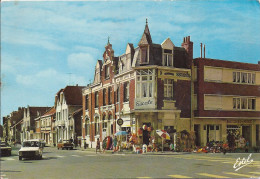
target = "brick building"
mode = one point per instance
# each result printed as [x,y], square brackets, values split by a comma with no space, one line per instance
[227,100]
[147,85]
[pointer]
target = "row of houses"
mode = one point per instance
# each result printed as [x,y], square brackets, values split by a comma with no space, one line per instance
[160,86]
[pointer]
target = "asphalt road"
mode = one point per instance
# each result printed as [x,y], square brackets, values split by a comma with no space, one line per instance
[76,164]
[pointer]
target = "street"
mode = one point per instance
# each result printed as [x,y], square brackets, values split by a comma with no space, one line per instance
[88,164]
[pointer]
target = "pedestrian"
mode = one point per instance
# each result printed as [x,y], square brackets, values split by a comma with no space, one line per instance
[172,147]
[98,146]
[115,143]
[247,146]
[71,140]
[104,145]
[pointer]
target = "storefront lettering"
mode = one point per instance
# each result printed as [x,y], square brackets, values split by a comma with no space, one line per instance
[240,121]
[139,103]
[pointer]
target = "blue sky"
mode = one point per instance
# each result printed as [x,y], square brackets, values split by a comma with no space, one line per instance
[48,45]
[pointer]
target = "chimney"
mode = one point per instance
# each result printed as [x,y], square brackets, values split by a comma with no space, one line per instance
[188,46]
[204,50]
[200,50]
[258,62]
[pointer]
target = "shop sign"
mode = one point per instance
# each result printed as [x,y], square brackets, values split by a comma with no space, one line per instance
[120,122]
[240,121]
[145,103]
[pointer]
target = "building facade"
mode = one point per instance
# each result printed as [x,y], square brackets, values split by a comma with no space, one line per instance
[28,127]
[226,100]
[67,101]
[147,85]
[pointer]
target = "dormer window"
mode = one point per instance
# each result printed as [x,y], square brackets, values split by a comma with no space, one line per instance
[167,57]
[144,55]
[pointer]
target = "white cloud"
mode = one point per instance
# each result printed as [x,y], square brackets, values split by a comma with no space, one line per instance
[49,78]
[80,60]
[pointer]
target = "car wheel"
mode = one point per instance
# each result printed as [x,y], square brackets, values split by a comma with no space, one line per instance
[20,158]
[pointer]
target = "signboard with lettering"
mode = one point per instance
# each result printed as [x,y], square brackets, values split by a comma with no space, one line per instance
[145,103]
[120,122]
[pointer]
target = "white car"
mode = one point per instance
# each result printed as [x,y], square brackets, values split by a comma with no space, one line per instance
[31,149]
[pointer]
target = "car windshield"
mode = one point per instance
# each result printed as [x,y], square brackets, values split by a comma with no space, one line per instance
[31,144]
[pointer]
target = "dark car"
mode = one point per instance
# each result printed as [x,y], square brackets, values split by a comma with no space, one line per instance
[5,149]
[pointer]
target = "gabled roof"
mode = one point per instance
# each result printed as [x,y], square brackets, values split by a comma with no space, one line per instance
[79,111]
[35,110]
[50,112]
[73,95]
[146,37]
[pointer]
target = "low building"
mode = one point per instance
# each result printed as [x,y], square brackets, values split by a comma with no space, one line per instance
[226,100]
[28,127]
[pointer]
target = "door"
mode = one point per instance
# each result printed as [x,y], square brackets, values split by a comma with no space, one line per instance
[246,133]
[197,139]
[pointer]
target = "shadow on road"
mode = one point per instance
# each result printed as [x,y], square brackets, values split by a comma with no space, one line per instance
[49,158]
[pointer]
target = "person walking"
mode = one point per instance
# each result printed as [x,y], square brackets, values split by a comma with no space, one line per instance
[98,146]
[114,143]
[104,145]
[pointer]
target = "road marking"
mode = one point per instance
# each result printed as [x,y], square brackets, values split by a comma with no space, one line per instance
[238,174]
[211,175]
[143,177]
[10,159]
[178,176]
[255,172]
[60,156]
[90,155]
[75,155]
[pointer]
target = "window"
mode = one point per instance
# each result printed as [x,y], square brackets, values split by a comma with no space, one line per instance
[97,76]
[104,123]
[96,125]
[126,92]
[167,58]
[117,94]
[109,96]
[96,99]
[144,55]
[107,72]
[246,103]
[168,89]
[144,83]
[104,97]
[87,125]
[86,102]
[242,77]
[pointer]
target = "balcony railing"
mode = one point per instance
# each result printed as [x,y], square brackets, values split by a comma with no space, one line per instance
[60,123]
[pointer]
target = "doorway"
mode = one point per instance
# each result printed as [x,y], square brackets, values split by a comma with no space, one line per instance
[197,139]
[246,133]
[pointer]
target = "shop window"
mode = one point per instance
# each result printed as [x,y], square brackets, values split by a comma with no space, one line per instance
[167,57]
[217,127]
[211,127]
[144,84]
[109,96]
[168,89]
[86,102]
[104,97]
[96,99]
[126,92]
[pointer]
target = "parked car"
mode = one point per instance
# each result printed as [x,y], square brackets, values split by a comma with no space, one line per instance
[5,149]
[65,145]
[31,149]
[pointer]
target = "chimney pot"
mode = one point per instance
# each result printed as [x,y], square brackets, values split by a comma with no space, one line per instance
[188,38]
[183,39]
